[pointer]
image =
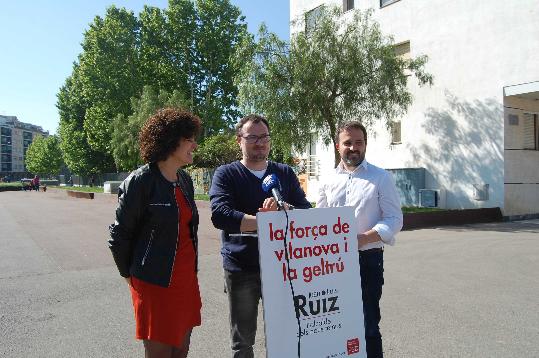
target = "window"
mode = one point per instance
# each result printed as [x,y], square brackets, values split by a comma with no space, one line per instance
[312,17]
[530,131]
[396,132]
[6,167]
[513,119]
[347,5]
[5,131]
[387,2]
[5,149]
[402,50]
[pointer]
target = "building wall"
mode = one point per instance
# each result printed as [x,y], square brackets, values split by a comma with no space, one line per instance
[454,129]
[18,154]
[18,142]
[521,165]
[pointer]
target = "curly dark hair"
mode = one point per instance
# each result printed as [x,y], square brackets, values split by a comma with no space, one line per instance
[160,135]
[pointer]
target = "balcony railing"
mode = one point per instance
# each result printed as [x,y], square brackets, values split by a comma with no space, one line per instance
[312,166]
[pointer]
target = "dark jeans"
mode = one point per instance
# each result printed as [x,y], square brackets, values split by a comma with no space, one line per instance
[244,293]
[371,264]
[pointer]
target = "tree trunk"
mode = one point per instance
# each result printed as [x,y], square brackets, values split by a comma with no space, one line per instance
[336,154]
[332,132]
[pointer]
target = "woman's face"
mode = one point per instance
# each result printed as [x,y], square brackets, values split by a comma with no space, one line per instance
[184,152]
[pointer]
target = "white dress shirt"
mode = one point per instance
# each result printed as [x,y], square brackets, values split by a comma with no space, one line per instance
[372,193]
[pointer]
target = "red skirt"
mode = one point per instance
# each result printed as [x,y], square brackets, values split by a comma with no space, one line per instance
[166,314]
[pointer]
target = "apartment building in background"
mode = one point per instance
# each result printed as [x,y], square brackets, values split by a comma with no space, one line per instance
[472,139]
[15,138]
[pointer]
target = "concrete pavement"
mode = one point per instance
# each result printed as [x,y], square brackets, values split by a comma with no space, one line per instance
[450,292]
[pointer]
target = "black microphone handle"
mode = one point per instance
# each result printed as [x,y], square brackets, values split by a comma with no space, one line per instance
[278,198]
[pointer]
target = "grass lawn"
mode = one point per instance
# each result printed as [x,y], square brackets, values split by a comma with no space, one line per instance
[98,189]
[204,197]
[15,183]
[85,189]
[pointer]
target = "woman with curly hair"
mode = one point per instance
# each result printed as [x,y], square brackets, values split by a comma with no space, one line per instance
[154,237]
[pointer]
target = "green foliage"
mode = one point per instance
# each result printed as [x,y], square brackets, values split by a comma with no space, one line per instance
[79,157]
[125,148]
[277,154]
[99,88]
[217,150]
[340,70]
[109,73]
[167,46]
[183,50]
[16,184]
[204,197]
[44,156]
[220,31]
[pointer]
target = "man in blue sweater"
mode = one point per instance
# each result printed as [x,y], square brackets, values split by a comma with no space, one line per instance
[236,196]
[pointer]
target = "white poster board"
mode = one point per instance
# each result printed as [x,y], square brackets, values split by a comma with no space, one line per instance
[324,271]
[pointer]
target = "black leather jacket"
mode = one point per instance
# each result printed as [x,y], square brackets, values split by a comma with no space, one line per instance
[144,237]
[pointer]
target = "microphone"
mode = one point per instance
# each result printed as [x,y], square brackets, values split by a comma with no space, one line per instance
[271,183]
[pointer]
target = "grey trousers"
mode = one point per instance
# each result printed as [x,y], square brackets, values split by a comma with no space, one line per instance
[244,293]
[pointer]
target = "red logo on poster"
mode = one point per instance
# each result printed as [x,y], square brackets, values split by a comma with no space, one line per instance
[353,346]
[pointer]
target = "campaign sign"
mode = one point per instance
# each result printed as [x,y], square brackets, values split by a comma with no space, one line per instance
[319,258]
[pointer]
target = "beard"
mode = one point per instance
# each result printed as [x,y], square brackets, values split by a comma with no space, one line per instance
[257,155]
[353,158]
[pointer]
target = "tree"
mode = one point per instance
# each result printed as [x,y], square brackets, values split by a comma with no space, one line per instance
[79,157]
[167,46]
[217,150]
[339,70]
[103,80]
[125,131]
[109,73]
[44,156]
[184,50]
[220,31]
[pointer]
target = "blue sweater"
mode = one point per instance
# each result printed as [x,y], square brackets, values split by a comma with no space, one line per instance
[234,192]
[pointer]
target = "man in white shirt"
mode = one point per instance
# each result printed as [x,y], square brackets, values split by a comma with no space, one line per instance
[372,192]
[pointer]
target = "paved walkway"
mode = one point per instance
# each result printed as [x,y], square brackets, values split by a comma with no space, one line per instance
[450,292]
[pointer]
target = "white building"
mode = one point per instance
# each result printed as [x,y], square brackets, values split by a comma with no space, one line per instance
[15,138]
[475,131]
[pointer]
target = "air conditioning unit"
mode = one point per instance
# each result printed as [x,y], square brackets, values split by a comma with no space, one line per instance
[480,192]
[432,198]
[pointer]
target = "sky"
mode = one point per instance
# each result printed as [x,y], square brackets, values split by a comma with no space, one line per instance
[40,40]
